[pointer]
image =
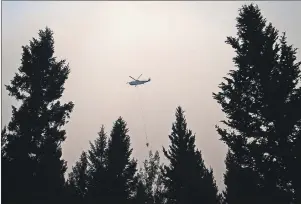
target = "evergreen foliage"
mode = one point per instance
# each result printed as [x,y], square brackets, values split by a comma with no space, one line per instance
[262,101]
[35,171]
[186,178]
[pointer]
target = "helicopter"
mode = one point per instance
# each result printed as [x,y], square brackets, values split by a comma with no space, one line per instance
[138,82]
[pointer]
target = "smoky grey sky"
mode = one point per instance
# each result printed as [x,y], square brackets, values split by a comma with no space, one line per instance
[180,45]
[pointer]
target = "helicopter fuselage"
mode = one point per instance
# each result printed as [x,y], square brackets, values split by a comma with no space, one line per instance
[138,82]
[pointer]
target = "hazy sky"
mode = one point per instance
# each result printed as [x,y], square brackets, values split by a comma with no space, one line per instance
[180,45]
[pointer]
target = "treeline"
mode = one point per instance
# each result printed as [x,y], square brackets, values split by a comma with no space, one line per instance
[261,98]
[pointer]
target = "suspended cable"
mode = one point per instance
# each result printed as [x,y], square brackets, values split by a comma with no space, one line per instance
[143,118]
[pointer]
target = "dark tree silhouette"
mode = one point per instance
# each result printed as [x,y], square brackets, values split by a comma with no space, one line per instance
[77,183]
[241,183]
[150,189]
[262,102]
[97,188]
[3,143]
[35,170]
[120,168]
[186,179]
[141,196]
[4,167]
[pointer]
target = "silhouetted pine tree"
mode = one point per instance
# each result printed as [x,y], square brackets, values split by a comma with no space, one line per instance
[186,179]
[4,167]
[34,137]
[241,183]
[154,178]
[150,187]
[121,168]
[262,102]
[141,196]
[77,183]
[97,188]
[160,190]
[3,143]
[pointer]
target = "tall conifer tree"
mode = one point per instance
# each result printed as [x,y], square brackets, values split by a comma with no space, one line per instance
[186,178]
[36,170]
[262,101]
[121,168]
[98,162]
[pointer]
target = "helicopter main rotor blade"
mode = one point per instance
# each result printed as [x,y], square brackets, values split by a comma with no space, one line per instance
[133,78]
[139,76]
